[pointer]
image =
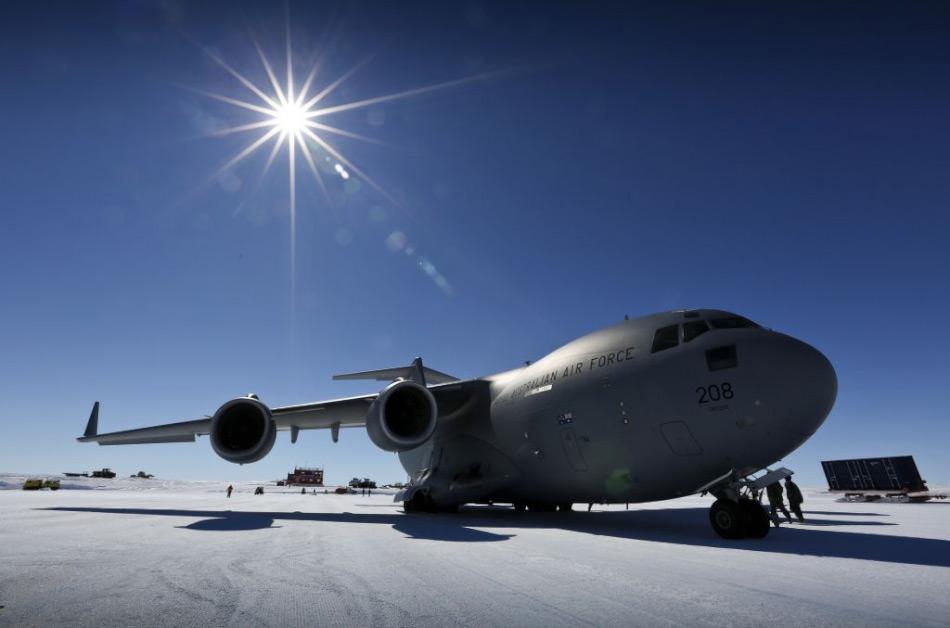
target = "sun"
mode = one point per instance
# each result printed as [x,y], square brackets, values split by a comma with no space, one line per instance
[290,118]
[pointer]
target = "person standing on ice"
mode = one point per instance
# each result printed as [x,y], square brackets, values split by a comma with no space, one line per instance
[795,498]
[230,490]
[776,502]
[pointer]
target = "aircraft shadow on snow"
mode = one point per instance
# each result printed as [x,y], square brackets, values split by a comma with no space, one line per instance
[684,526]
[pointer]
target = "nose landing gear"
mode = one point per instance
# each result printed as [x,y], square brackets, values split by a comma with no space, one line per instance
[737,513]
[739,520]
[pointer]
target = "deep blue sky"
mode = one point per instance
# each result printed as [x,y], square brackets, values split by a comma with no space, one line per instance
[789,163]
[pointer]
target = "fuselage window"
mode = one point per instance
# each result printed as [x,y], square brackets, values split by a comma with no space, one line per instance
[722,358]
[693,329]
[732,322]
[666,338]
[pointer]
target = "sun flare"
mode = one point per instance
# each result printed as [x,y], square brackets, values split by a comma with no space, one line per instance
[291,116]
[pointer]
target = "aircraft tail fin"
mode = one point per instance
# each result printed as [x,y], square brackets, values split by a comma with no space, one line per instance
[92,427]
[414,372]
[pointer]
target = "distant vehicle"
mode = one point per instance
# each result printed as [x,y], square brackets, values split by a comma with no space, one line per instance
[259,490]
[671,404]
[76,475]
[362,483]
[143,475]
[341,490]
[35,484]
[103,473]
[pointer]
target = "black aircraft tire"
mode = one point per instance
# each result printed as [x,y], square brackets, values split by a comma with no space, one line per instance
[418,503]
[756,520]
[520,506]
[727,518]
[565,507]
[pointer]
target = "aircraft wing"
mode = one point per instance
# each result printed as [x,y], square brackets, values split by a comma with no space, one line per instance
[330,414]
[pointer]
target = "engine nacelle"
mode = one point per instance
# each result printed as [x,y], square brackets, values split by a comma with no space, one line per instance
[243,430]
[402,417]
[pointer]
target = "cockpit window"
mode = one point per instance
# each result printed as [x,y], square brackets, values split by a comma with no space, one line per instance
[666,338]
[693,329]
[731,322]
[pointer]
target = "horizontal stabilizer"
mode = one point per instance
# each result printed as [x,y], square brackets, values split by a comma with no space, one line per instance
[411,372]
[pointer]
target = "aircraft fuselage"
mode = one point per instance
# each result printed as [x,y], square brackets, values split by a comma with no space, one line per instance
[648,409]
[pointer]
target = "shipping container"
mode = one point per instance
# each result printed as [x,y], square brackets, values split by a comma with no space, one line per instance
[897,474]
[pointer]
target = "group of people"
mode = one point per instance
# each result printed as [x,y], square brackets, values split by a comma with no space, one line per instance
[777,503]
[303,491]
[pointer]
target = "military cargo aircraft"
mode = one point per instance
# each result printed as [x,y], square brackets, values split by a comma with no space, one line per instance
[671,404]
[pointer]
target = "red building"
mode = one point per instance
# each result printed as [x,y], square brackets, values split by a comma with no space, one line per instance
[306,476]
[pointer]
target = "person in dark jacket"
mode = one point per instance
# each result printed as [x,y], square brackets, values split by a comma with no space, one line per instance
[776,502]
[795,498]
[230,490]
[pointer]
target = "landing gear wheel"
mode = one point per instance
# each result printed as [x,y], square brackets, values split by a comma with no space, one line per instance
[727,518]
[520,506]
[542,507]
[418,503]
[566,507]
[756,520]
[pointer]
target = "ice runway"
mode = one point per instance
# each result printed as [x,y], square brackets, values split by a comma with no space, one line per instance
[181,554]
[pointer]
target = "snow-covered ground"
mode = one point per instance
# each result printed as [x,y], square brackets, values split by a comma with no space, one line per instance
[150,552]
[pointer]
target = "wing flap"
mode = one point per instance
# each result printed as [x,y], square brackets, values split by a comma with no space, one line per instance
[346,412]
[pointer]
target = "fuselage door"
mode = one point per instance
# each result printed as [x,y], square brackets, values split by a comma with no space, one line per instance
[572,449]
[680,439]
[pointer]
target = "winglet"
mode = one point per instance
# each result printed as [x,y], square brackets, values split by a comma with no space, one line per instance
[415,372]
[92,427]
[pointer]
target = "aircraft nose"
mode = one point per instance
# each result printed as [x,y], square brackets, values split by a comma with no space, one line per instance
[811,385]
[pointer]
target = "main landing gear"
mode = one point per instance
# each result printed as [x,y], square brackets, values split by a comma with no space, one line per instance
[421,502]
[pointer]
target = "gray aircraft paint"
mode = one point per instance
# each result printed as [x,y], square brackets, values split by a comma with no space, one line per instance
[604,419]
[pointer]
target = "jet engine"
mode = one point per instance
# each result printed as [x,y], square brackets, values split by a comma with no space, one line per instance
[242,430]
[402,417]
